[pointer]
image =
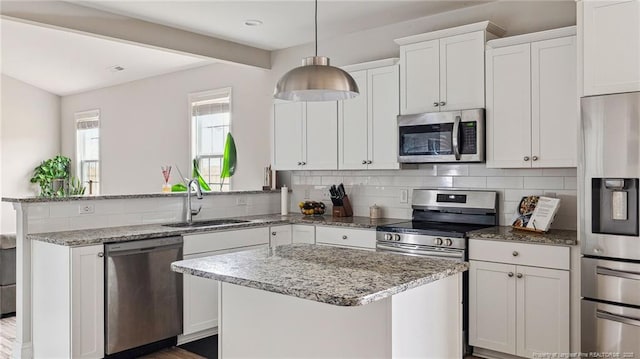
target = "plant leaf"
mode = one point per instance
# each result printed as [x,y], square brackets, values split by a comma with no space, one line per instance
[229,158]
[196,174]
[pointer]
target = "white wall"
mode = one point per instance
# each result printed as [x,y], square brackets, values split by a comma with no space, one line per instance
[516,17]
[30,133]
[145,124]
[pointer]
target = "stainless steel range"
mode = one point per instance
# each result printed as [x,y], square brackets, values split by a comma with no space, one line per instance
[609,225]
[440,222]
[439,228]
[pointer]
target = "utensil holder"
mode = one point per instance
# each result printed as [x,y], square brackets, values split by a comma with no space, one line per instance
[345,210]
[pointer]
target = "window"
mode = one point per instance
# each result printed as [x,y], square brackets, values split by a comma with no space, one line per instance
[88,149]
[210,124]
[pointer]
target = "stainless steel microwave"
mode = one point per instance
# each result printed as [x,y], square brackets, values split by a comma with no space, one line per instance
[454,136]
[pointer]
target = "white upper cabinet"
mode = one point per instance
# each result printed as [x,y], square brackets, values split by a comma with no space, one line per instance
[305,135]
[367,124]
[444,70]
[462,72]
[611,46]
[532,107]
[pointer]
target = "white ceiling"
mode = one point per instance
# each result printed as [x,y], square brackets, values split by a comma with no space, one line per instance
[65,62]
[285,23]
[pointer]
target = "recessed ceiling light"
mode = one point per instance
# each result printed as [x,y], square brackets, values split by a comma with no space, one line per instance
[253,22]
[116,68]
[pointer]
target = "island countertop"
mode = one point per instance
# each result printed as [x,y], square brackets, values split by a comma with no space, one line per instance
[332,275]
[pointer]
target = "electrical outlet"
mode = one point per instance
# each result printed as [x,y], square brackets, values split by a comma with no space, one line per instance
[241,201]
[307,194]
[86,209]
[404,196]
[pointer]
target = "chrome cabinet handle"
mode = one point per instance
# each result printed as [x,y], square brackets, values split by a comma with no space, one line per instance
[618,273]
[435,104]
[442,103]
[369,162]
[617,318]
[100,254]
[515,253]
[526,158]
[299,163]
[535,158]
[273,233]
[364,162]
[519,275]
[303,163]
[510,274]
[344,237]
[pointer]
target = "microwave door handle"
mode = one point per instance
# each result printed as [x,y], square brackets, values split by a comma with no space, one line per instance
[455,137]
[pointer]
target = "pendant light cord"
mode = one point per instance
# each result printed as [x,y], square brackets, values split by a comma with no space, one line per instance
[316,28]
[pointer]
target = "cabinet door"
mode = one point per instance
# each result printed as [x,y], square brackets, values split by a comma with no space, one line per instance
[303,234]
[280,235]
[543,311]
[352,127]
[200,308]
[287,129]
[419,77]
[492,306]
[554,106]
[508,111]
[611,46]
[462,71]
[320,147]
[87,301]
[200,302]
[383,103]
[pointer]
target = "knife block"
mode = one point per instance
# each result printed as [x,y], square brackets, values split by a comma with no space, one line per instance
[345,210]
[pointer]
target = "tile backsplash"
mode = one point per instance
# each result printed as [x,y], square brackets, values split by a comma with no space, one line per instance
[384,187]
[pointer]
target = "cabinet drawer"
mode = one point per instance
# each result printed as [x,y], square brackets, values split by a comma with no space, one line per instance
[519,253]
[360,238]
[219,240]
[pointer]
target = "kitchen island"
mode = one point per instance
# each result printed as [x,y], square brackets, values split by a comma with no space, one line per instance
[306,300]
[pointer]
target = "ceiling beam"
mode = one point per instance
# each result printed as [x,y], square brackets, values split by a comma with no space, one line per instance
[73,17]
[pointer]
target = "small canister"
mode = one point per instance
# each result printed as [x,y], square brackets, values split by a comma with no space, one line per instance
[375,211]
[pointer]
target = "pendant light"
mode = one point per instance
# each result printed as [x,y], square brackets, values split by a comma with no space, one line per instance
[316,80]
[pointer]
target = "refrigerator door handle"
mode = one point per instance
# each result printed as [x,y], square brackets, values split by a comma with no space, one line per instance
[617,318]
[617,273]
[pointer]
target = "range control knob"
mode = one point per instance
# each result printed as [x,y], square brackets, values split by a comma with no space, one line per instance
[438,241]
[387,237]
[396,237]
[448,242]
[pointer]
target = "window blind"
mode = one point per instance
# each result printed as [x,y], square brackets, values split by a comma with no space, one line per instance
[87,120]
[211,106]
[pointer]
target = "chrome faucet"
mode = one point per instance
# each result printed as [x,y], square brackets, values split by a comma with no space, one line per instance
[193,212]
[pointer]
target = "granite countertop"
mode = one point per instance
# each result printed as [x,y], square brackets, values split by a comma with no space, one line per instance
[333,275]
[38,199]
[130,233]
[503,233]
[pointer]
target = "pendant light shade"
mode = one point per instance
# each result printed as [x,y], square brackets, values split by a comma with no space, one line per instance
[316,80]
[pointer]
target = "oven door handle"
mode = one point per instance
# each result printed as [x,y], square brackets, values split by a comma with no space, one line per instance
[455,137]
[617,318]
[401,249]
[617,273]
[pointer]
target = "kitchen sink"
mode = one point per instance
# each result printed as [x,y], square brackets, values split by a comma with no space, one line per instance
[210,223]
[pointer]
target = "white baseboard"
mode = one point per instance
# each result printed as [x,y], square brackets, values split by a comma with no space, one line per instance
[183,339]
[490,354]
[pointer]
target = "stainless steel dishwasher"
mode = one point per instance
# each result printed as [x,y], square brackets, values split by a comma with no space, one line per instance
[143,296]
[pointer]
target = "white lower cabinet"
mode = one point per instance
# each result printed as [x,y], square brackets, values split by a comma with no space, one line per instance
[518,309]
[200,302]
[346,237]
[280,235]
[67,301]
[302,233]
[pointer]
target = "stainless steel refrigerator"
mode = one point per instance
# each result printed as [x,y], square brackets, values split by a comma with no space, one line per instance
[610,167]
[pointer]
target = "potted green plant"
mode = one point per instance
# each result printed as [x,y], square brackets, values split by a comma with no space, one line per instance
[52,176]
